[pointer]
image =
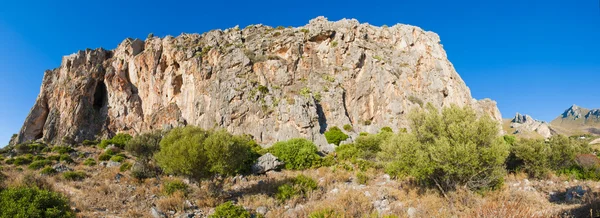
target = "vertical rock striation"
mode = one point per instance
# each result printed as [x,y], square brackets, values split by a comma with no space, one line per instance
[271,83]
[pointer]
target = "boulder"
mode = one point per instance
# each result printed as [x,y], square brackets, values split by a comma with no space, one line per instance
[61,168]
[266,163]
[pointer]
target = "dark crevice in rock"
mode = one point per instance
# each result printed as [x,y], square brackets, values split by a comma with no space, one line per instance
[361,61]
[344,105]
[322,118]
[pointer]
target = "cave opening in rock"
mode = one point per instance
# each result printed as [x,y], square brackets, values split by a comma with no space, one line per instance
[100,96]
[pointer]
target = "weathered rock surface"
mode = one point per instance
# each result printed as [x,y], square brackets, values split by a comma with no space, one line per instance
[525,123]
[271,83]
[266,163]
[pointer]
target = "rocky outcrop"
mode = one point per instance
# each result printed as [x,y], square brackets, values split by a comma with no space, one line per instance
[577,120]
[525,123]
[266,163]
[271,83]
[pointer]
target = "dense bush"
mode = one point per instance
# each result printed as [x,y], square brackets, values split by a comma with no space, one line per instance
[48,171]
[89,142]
[22,149]
[125,166]
[39,164]
[74,176]
[325,213]
[170,187]
[299,186]
[539,157]
[54,157]
[199,154]
[335,135]
[142,170]
[89,162]
[19,161]
[365,146]
[33,202]
[387,129]
[362,178]
[62,149]
[66,158]
[448,149]
[228,210]
[297,154]
[348,128]
[119,140]
[104,157]
[117,158]
[145,145]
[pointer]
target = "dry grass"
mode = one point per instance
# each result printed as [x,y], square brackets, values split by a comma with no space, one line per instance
[175,202]
[100,195]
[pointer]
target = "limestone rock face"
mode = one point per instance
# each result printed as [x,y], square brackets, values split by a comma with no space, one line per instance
[525,123]
[271,83]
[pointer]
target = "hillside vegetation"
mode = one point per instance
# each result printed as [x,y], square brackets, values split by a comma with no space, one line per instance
[451,163]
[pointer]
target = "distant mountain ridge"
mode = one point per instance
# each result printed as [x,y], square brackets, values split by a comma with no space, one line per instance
[575,120]
[578,120]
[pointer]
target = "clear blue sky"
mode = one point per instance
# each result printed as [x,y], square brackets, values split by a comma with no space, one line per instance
[534,57]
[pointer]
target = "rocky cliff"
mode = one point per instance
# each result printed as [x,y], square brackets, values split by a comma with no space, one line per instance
[271,83]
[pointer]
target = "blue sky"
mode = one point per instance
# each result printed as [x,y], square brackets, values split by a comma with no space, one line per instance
[534,57]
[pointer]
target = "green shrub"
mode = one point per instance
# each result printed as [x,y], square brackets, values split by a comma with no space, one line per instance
[263,89]
[199,154]
[145,145]
[170,187]
[74,176]
[142,170]
[48,171]
[62,149]
[111,151]
[365,147]
[104,143]
[22,149]
[540,157]
[54,157]
[19,161]
[299,186]
[117,158]
[362,178]
[335,135]
[104,157]
[90,142]
[448,149]
[89,162]
[297,154]
[66,158]
[33,202]
[119,140]
[125,166]
[39,157]
[387,129]
[36,165]
[510,139]
[325,213]
[228,209]
[348,128]
[37,147]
